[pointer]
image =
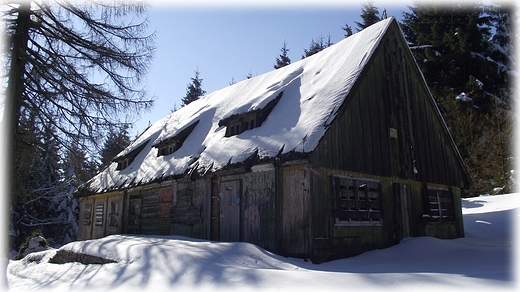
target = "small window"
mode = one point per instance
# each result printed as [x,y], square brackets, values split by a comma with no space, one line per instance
[238,123]
[122,164]
[174,143]
[439,205]
[100,210]
[125,161]
[357,200]
[87,215]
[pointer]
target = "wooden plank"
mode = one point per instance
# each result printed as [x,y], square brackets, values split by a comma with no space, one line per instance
[230,195]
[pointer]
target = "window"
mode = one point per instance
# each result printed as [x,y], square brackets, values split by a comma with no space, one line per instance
[357,200]
[169,149]
[439,205]
[125,160]
[100,210]
[87,215]
[122,164]
[239,123]
[172,144]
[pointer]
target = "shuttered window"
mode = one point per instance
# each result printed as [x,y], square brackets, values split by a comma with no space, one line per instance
[87,215]
[438,205]
[100,210]
[357,200]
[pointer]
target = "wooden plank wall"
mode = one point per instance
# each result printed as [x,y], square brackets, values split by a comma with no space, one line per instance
[257,216]
[389,126]
[147,209]
[100,215]
[190,212]
[296,215]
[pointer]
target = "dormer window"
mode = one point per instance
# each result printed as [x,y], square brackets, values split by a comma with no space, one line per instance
[237,124]
[123,164]
[125,160]
[172,144]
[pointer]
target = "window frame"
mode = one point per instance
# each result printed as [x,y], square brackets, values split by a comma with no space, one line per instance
[100,214]
[174,143]
[362,197]
[87,215]
[439,204]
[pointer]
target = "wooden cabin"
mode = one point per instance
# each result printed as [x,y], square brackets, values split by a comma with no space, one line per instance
[334,155]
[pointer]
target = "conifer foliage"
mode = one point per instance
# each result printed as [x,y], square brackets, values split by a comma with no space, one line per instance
[317,46]
[464,51]
[369,16]
[115,142]
[283,59]
[73,71]
[194,90]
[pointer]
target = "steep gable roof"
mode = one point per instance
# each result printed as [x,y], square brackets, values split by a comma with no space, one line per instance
[310,93]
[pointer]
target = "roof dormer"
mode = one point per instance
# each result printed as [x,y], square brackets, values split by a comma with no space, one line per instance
[238,123]
[125,160]
[174,143]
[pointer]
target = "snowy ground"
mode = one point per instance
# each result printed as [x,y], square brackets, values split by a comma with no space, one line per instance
[482,260]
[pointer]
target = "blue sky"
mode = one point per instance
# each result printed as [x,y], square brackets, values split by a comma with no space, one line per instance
[227,43]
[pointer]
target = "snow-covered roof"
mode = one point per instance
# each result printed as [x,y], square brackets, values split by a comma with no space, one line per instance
[312,91]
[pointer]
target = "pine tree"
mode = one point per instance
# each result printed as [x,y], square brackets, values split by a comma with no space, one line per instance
[282,60]
[329,41]
[462,58]
[194,90]
[314,47]
[115,142]
[56,54]
[369,15]
[47,205]
[348,30]
[502,17]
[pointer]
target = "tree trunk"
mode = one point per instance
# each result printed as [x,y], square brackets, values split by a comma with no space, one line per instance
[15,93]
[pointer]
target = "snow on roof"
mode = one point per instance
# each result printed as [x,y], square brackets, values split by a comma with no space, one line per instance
[312,91]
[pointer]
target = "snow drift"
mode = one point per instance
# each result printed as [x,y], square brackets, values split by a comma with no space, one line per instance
[481,260]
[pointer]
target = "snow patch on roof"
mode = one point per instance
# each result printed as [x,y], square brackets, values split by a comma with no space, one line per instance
[313,90]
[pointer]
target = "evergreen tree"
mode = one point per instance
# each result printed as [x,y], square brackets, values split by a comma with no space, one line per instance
[461,51]
[502,17]
[329,41]
[369,15]
[194,90]
[116,141]
[348,30]
[47,205]
[282,60]
[56,53]
[314,47]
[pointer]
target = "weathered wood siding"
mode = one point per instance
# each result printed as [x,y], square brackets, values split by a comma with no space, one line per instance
[330,239]
[295,209]
[100,215]
[402,215]
[390,126]
[190,212]
[388,129]
[85,218]
[148,210]
[254,215]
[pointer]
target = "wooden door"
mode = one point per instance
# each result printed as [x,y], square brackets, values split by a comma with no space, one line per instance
[134,215]
[401,222]
[230,211]
[295,216]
